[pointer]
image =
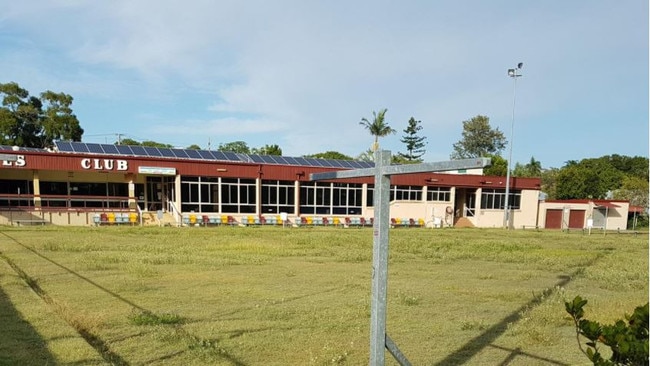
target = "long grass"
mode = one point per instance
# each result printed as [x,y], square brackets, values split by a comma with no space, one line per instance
[301,296]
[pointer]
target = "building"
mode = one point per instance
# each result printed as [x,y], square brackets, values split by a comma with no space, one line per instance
[581,214]
[74,183]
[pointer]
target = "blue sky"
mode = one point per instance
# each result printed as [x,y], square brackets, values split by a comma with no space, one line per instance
[302,74]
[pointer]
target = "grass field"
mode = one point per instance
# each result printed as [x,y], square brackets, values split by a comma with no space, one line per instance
[301,296]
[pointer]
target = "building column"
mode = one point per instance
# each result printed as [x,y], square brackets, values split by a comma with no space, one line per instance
[36,189]
[133,202]
[177,193]
[296,197]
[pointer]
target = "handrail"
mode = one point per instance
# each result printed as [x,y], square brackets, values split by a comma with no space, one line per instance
[468,211]
[139,212]
[175,213]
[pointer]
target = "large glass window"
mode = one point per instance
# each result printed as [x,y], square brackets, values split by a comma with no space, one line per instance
[315,198]
[346,198]
[238,195]
[496,199]
[331,198]
[84,194]
[405,193]
[13,192]
[442,194]
[278,196]
[199,194]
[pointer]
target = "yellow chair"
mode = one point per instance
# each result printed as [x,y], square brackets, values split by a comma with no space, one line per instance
[133,218]
[192,219]
[111,218]
[336,221]
[310,220]
[421,222]
[224,220]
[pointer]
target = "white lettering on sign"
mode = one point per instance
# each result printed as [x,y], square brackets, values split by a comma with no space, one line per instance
[104,164]
[20,161]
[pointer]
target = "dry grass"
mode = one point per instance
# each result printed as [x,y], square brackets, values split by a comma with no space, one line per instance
[274,296]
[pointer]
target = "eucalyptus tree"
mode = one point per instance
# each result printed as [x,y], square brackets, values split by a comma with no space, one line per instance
[30,121]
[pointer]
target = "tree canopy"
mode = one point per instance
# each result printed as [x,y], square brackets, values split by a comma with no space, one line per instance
[602,177]
[378,127]
[29,121]
[414,142]
[478,140]
[335,155]
[268,150]
[531,169]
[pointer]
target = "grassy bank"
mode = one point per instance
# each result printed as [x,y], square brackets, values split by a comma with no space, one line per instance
[268,295]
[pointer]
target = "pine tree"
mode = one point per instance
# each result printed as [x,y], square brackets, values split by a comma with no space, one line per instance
[414,143]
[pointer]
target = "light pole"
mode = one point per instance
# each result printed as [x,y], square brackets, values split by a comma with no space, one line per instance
[514,74]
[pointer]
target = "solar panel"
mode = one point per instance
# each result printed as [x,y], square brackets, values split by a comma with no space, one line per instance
[138,150]
[124,149]
[166,152]
[64,146]
[110,149]
[95,148]
[301,161]
[256,158]
[290,160]
[193,154]
[206,154]
[218,155]
[338,163]
[79,147]
[152,151]
[231,156]
[179,153]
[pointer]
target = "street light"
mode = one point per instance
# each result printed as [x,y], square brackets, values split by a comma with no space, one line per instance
[514,74]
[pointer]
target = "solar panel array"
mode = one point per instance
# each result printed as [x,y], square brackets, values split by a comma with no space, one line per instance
[160,152]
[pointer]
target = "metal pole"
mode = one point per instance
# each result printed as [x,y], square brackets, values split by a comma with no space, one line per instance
[506,209]
[380,261]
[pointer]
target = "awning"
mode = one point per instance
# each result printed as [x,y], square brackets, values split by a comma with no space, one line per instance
[605,205]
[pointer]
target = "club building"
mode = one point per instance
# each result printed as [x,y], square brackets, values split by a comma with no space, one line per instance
[88,184]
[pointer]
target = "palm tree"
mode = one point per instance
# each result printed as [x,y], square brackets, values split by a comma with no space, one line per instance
[378,127]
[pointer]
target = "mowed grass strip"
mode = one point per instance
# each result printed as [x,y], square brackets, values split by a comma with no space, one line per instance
[301,296]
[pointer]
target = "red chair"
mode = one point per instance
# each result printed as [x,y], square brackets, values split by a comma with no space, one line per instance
[326,221]
[362,220]
[262,220]
[206,220]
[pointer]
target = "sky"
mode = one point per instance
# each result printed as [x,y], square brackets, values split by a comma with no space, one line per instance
[302,74]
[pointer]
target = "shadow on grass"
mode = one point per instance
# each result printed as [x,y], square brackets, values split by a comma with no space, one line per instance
[20,344]
[465,353]
[95,341]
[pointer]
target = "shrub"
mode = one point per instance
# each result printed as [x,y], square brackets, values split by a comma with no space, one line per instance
[627,340]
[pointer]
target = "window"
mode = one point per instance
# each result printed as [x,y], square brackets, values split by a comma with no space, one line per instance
[13,189]
[405,193]
[278,196]
[238,195]
[199,194]
[495,199]
[315,198]
[441,194]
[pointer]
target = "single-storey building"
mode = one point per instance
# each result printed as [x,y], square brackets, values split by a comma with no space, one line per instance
[77,183]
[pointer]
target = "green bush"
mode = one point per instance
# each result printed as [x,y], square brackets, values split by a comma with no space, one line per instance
[627,340]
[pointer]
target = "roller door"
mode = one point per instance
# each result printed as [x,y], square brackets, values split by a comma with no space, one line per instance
[553,219]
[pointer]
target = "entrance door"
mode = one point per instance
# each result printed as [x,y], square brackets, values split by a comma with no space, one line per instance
[160,190]
[576,219]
